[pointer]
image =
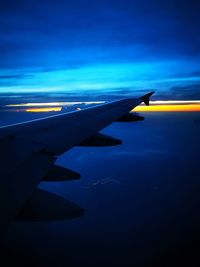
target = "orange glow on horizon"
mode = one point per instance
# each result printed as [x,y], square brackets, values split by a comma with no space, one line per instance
[169,108]
[43,109]
[155,106]
[142,108]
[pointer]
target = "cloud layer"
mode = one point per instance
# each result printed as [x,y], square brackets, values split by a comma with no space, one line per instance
[106,45]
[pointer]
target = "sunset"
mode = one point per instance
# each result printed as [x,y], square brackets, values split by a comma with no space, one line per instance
[99,133]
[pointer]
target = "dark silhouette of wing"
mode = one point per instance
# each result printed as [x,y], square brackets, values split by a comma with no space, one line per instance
[29,150]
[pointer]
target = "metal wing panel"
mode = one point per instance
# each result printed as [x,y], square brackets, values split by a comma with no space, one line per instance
[18,183]
[61,132]
[84,124]
[14,150]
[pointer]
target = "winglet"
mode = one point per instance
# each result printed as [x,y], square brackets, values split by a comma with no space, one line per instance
[146,98]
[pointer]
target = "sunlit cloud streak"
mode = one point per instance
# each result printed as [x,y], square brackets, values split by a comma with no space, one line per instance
[52,104]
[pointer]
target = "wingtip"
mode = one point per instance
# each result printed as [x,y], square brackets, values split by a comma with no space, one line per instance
[146,98]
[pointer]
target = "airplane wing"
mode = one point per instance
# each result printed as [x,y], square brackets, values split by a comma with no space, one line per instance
[29,151]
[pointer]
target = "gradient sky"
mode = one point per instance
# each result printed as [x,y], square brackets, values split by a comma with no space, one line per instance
[85,50]
[100,47]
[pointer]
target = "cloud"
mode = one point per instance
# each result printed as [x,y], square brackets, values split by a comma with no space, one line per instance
[99,40]
[191,92]
[38,28]
[13,76]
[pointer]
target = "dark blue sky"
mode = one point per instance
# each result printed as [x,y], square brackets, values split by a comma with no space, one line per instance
[100,46]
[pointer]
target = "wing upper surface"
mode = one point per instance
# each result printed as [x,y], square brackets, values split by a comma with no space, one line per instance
[62,132]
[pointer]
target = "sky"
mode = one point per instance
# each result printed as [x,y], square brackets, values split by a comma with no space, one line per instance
[115,48]
[141,198]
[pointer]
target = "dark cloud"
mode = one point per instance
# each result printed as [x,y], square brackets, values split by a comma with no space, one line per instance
[191,92]
[12,76]
[54,35]
[155,26]
[187,75]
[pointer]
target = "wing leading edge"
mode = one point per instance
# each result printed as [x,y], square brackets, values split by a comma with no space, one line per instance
[31,148]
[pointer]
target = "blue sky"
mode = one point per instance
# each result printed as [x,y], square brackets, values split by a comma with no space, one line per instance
[100,47]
